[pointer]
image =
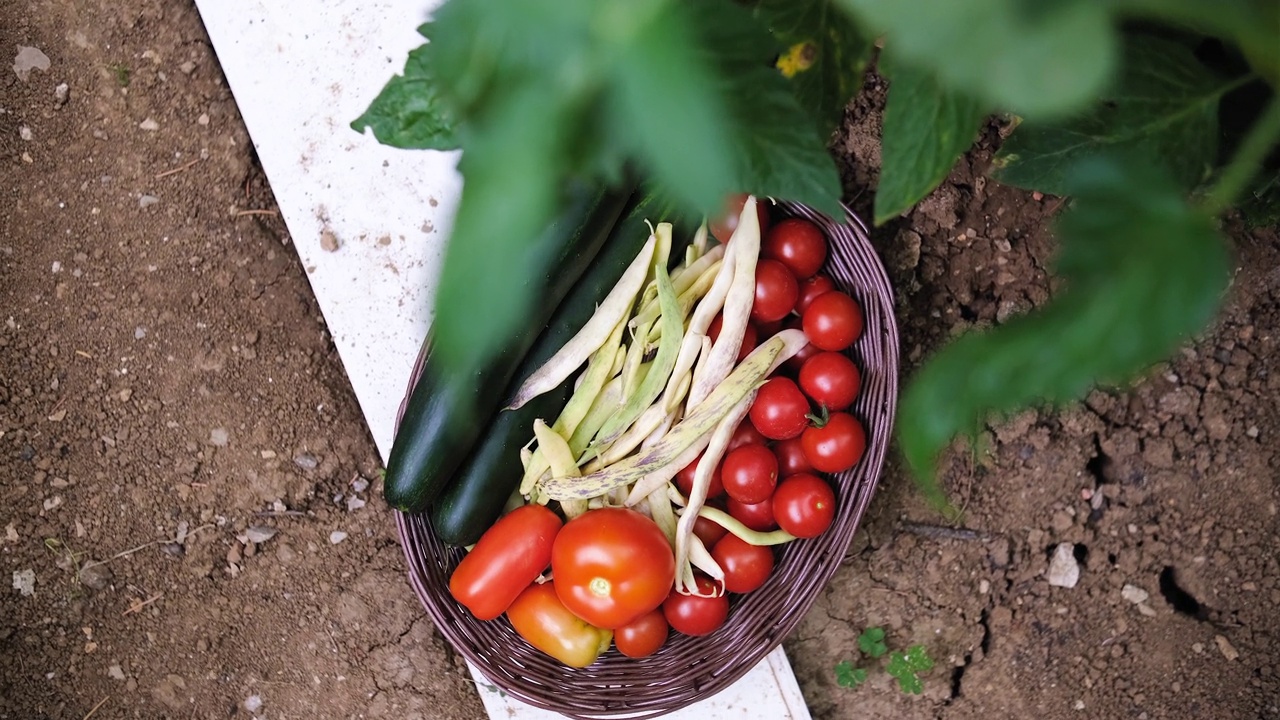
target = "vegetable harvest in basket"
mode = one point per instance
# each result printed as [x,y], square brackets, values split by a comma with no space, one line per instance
[691,418]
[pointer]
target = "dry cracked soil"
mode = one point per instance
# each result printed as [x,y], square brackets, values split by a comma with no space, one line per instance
[189,501]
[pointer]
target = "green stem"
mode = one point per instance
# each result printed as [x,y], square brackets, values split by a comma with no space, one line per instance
[1247,159]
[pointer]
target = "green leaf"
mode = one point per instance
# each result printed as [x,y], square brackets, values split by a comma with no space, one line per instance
[491,262]
[871,642]
[900,669]
[1163,109]
[1143,272]
[824,54]
[666,95]
[776,144]
[849,676]
[926,129]
[409,112]
[1034,58]
[917,658]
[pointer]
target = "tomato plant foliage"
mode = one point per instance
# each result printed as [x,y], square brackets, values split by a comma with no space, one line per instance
[1152,116]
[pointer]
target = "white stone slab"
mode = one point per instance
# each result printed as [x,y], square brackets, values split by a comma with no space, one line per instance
[300,72]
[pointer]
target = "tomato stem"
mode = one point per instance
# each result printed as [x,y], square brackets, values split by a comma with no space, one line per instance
[822,417]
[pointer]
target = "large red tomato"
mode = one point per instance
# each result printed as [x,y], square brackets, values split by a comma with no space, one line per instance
[612,565]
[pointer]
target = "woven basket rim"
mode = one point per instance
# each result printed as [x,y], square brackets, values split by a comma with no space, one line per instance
[687,670]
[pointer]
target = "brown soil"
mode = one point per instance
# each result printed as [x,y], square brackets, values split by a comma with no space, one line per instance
[168,390]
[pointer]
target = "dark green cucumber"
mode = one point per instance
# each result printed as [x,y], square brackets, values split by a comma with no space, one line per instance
[474,500]
[445,416]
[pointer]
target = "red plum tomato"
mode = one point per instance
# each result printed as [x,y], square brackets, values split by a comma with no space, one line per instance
[509,555]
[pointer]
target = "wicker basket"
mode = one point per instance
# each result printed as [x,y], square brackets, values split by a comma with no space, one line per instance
[689,669]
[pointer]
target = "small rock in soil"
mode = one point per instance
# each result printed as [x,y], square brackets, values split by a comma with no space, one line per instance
[1134,594]
[328,241]
[28,59]
[1226,648]
[149,125]
[337,536]
[253,703]
[24,581]
[174,549]
[147,201]
[359,484]
[219,437]
[96,576]
[61,94]
[1063,570]
[260,533]
[306,461]
[115,672]
[24,132]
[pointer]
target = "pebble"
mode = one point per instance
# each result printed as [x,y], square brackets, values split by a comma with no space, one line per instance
[260,533]
[1226,648]
[1197,648]
[24,132]
[1252,431]
[187,67]
[28,59]
[96,576]
[253,703]
[115,672]
[306,461]
[1134,594]
[1063,570]
[219,437]
[149,125]
[359,484]
[329,241]
[1079,705]
[336,537]
[354,503]
[139,333]
[1146,610]
[203,119]
[24,581]
[984,587]
[147,200]
[61,94]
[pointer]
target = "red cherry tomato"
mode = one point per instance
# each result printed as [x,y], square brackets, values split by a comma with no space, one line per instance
[722,228]
[757,517]
[780,410]
[749,337]
[811,288]
[509,555]
[745,434]
[791,457]
[612,565]
[684,480]
[798,244]
[539,617]
[804,505]
[693,615]
[776,291]
[749,473]
[708,531]
[745,566]
[643,636]
[831,379]
[837,445]
[833,321]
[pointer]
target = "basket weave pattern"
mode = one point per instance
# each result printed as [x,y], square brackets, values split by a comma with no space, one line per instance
[688,669]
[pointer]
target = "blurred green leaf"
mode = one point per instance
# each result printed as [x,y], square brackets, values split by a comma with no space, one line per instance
[1143,272]
[926,129]
[665,94]
[849,676]
[1163,110]
[824,54]
[775,142]
[409,113]
[1253,25]
[871,642]
[1033,58]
